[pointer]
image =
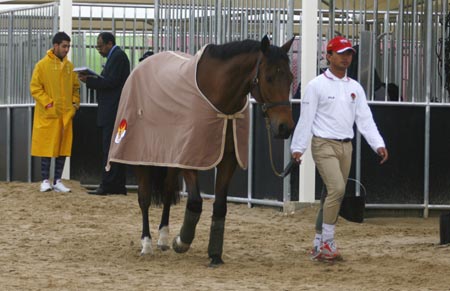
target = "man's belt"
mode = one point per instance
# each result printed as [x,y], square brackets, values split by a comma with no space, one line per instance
[342,140]
[337,139]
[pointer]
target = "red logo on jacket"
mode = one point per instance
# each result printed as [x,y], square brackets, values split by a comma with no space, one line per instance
[121,131]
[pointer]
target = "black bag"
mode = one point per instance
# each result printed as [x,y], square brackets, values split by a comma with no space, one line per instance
[444,226]
[352,208]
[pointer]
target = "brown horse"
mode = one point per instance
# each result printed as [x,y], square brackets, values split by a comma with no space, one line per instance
[225,74]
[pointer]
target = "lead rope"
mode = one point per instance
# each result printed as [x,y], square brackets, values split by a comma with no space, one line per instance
[360,184]
[291,163]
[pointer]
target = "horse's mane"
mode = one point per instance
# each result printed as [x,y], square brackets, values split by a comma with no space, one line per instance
[234,48]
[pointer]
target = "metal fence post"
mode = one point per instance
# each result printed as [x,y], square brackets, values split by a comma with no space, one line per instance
[429,51]
[9,85]
[155,38]
[287,143]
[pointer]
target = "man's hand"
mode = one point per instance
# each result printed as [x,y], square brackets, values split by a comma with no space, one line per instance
[296,156]
[82,77]
[49,105]
[383,153]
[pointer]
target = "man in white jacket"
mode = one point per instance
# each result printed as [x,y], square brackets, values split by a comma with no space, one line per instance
[331,105]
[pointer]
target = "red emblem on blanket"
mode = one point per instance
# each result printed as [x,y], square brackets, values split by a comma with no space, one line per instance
[353,95]
[121,131]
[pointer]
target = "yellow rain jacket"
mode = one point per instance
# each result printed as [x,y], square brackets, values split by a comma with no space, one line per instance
[53,81]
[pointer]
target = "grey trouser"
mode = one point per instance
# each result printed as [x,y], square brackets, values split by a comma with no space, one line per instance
[333,161]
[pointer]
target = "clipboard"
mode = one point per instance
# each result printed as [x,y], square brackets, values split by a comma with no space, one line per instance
[86,71]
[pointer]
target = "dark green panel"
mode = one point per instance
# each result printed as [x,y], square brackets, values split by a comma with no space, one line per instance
[239,184]
[440,156]
[3,143]
[86,161]
[20,140]
[265,184]
[400,180]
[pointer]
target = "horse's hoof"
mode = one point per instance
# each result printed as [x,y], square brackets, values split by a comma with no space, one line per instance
[179,246]
[163,241]
[216,262]
[146,243]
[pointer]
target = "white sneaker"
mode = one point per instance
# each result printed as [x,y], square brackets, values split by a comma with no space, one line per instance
[45,186]
[59,187]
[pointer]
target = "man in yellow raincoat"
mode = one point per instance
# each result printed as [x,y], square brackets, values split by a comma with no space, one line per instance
[55,87]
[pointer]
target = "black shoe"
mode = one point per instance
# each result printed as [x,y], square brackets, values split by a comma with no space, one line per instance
[118,192]
[104,191]
[115,189]
[98,191]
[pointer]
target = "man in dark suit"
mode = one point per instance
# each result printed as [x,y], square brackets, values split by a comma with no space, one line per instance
[109,88]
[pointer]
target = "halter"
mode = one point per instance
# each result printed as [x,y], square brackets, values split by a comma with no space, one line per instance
[264,107]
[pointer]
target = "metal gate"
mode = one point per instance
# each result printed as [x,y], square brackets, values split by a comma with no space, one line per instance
[25,36]
[188,26]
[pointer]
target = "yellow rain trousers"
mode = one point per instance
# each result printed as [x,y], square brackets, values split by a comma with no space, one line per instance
[54,81]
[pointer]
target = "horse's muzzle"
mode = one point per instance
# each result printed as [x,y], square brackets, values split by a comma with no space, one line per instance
[284,131]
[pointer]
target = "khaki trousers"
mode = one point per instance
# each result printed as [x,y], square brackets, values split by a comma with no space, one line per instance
[333,161]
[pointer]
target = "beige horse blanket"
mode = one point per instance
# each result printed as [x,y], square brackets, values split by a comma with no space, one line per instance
[164,119]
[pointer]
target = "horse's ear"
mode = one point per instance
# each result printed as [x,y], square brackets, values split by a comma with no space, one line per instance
[265,43]
[287,46]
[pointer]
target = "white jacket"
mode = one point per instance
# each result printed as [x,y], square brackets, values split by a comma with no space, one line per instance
[329,109]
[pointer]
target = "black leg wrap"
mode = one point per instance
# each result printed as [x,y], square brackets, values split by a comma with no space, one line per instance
[187,232]
[219,209]
[195,206]
[215,246]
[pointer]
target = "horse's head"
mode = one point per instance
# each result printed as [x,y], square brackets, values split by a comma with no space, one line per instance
[271,86]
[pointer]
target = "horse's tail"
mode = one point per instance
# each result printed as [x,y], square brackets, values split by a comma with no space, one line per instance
[163,185]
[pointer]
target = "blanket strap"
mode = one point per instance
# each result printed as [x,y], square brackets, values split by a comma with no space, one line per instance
[230,116]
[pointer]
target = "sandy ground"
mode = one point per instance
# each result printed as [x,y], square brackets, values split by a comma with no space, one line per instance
[75,241]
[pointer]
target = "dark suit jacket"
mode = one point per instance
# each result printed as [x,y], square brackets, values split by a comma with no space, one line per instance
[109,88]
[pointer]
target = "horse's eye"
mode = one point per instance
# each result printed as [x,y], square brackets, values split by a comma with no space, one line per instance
[269,79]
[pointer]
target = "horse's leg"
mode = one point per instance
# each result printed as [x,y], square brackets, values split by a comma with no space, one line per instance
[163,240]
[171,189]
[143,179]
[225,172]
[194,205]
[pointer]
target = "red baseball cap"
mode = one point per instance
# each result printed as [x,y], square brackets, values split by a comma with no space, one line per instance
[339,44]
